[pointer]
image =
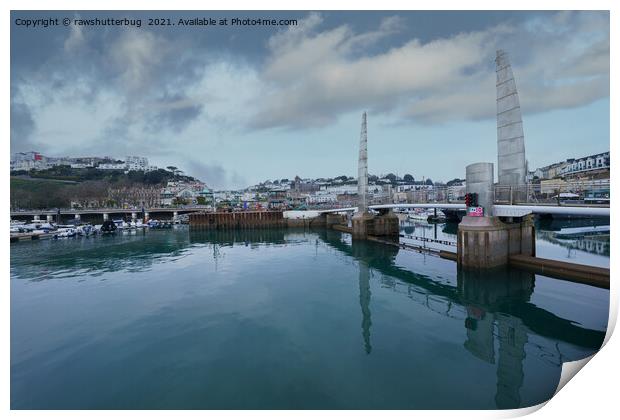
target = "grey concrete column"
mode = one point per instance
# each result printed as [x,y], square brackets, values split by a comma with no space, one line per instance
[50,218]
[479,180]
[105,216]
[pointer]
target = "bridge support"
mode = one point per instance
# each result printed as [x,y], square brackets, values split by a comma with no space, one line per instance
[49,218]
[77,217]
[361,224]
[334,219]
[106,216]
[479,180]
[175,215]
[486,242]
[37,218]
[146,216]
[383,225]
[134,216]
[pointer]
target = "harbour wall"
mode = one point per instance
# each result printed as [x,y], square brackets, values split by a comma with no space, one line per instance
[239,220]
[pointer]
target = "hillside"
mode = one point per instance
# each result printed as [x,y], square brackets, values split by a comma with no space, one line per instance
[59,186]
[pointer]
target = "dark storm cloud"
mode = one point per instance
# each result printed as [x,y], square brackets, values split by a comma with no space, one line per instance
[214,174]
[22,126]
[175,111]
[151,70]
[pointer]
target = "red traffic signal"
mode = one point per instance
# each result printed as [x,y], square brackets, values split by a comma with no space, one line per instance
[471,200]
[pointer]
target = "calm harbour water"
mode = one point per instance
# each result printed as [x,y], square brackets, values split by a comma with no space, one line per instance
[190,319]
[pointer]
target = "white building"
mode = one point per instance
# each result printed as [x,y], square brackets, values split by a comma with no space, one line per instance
[456,191]
[339,189]
[322,197]
[25,161]
[112,166]
[587,163]
[138,163]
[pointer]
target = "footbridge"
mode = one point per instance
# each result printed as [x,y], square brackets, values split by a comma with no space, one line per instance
[498,210]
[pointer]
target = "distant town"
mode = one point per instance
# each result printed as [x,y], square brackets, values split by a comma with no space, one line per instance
[39,181]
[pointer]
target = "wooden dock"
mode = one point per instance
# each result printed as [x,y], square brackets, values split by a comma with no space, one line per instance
[586,274]
[15,237]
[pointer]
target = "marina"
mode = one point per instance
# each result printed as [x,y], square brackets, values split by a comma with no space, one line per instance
[252,304]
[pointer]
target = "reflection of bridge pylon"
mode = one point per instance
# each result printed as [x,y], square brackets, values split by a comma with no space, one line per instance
[364,283]
[512,339]
[482,294]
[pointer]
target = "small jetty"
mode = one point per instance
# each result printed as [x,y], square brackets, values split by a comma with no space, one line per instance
[30,236]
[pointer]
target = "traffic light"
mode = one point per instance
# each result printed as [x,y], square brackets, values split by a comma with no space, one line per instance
[468,199]
[471,200]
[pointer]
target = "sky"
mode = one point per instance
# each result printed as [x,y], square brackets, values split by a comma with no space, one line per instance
[237,105]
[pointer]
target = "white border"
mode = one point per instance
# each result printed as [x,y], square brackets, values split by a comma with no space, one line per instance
[592,394]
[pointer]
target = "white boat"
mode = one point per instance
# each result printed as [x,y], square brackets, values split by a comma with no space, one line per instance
[138,225]
[421,215]
[66,233]
[582,231]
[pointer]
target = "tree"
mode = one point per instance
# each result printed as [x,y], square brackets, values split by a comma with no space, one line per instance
[408,178]
[172,168]
[391,177]
[429,181]
[178,201]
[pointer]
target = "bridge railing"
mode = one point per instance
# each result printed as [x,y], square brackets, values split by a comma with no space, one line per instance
[548,192]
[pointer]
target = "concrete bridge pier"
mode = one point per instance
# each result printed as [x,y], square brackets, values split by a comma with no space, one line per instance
[175,215]
[49,218]
[77,217]
[332,219]
[361,223]
[385,224]
[37,218]
[134,216]
[106,216]
[146,216]
[487,241]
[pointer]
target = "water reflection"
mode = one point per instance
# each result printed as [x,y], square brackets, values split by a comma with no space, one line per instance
[96,256]
[580,241]
[497,306]
[230,237]
[595,244]
[364,283]
[494,310]
[483,293]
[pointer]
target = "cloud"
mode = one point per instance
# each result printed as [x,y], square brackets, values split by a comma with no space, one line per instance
[75,39]
[215,175]
[22,127]
[312,77]
[129,91]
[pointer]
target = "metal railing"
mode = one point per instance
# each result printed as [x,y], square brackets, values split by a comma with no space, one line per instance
[575,191]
